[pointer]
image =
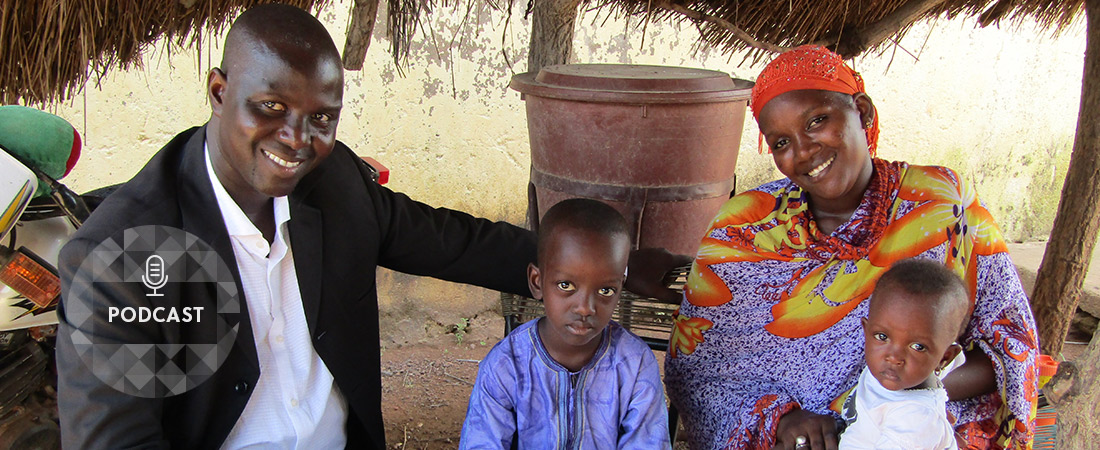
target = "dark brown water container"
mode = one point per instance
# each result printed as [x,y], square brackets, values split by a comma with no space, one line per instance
[658,143]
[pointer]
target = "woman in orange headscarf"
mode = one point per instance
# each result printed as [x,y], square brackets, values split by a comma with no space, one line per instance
[768,341]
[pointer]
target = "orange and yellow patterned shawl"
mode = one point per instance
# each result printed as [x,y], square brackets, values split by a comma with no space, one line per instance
[772,306]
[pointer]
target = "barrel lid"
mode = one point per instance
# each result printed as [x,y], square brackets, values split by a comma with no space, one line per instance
[630,83]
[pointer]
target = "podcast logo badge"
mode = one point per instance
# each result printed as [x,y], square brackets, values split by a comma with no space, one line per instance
[154,279]
[155,311]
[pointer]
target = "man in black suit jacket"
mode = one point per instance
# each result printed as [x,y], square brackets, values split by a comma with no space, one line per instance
[275,105]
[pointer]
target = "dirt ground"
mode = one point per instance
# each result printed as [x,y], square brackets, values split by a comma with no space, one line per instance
[425,388]
[426,384]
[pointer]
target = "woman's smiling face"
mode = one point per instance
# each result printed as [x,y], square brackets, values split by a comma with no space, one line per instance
[817,139]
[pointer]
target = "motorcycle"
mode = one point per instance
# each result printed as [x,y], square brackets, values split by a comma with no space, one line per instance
[38,214]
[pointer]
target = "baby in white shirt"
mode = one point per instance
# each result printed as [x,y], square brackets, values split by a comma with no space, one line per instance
[918,309]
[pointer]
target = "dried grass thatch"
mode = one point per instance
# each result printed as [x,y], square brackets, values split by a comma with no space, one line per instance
[850,27]
[49,48]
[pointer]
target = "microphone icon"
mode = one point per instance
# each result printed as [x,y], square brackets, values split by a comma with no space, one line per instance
[154,277]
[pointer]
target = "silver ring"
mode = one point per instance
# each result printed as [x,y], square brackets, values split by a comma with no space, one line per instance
[801,442]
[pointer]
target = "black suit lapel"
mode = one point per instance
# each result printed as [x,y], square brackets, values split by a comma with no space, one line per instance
[202,217]
[306,242]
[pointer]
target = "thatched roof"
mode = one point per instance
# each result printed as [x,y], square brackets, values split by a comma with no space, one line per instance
[848,26]
[49,48]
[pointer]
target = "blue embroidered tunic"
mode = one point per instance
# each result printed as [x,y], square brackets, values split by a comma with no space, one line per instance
[522,396]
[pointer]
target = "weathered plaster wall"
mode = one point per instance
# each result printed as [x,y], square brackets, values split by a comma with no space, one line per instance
[999,105]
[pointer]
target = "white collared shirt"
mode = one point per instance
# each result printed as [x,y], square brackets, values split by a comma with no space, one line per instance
[295,403]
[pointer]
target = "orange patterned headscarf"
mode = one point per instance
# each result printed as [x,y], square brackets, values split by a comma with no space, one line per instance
[809,67]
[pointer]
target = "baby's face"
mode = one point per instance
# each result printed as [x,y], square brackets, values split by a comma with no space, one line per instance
[902,341]
[580,281]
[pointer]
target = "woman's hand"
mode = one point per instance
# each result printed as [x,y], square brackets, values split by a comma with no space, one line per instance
[646,273]
[975,377]
[817,432]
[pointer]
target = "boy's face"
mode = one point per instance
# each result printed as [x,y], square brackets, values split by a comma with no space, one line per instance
[579,282]
[904,343]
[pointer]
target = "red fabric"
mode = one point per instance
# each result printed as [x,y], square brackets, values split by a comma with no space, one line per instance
[809,67]
[74,154]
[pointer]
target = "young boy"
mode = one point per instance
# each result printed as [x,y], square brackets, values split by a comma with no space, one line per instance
[574,378]
[918,309]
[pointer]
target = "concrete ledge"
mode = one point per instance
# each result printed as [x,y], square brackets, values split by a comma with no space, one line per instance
[1028,255]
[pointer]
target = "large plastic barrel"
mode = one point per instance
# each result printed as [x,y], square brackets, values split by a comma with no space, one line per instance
[658,143]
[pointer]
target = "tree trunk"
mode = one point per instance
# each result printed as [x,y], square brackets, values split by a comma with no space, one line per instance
[1075,393]
[1058,284]
[363,16]
[551,33]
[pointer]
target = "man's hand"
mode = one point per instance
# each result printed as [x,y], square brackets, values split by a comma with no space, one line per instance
[804,430]
[646,273]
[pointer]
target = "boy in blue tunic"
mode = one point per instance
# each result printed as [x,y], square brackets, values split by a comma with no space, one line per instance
[572,379]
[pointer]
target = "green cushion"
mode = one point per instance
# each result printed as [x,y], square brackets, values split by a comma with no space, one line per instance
[39,137]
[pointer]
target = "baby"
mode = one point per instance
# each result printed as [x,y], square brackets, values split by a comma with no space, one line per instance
[574,378]
[918,309]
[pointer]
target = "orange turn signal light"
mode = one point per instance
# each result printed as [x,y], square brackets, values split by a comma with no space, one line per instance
[26,275]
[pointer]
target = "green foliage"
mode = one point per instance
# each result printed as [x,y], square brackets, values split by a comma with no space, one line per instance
[459,329]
